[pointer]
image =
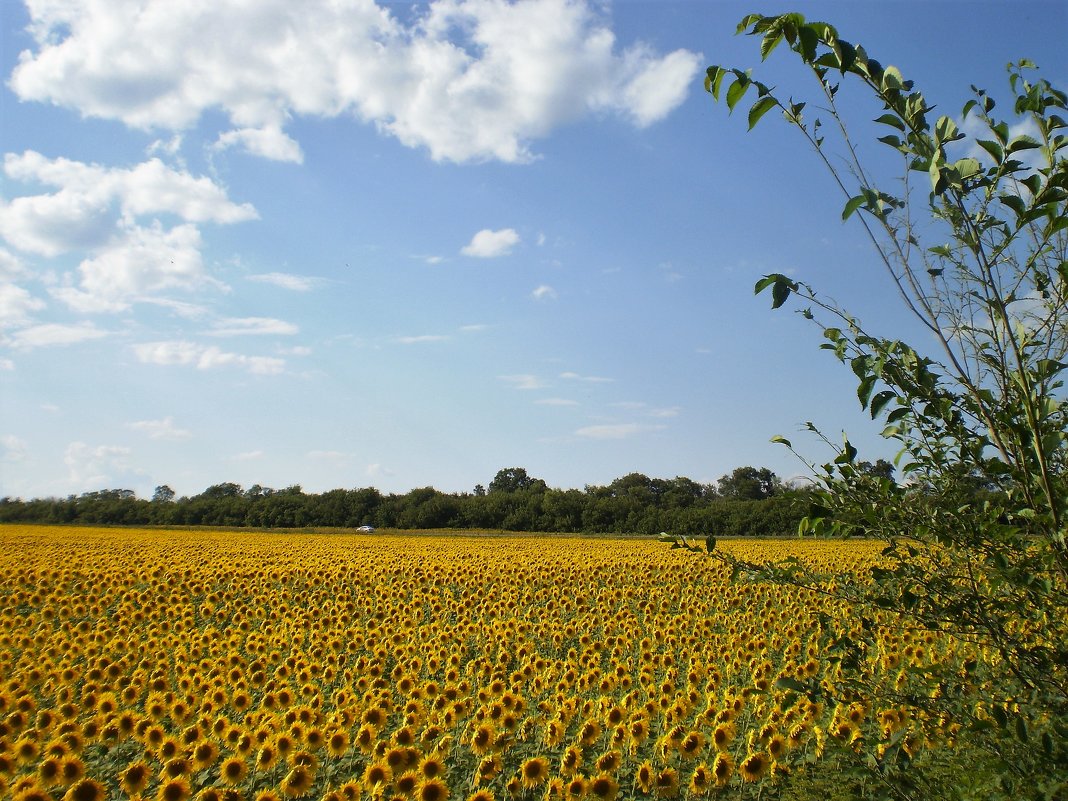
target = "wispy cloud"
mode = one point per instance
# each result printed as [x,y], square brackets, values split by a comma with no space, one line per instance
[160,429]
[252,326]
[247,456]
[189,354]
[294,283]
[593,379]
[54,334]
[544,292]
[556,402]
[523,381]
[421,339]
[487,244]
[614,430]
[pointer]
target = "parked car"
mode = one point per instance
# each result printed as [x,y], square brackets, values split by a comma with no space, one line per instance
[366,529]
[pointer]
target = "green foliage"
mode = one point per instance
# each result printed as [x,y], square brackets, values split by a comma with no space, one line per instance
[977,248]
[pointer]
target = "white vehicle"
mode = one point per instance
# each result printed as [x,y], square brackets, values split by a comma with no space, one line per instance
[366,529]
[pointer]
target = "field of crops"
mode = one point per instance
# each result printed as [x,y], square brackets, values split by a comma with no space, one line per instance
[223,665]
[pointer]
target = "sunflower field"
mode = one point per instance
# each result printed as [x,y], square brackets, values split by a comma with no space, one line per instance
[175,665]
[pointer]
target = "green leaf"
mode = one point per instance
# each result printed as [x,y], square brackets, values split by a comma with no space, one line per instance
[993,148]
[736,91]
[878,403]
[1021,730]
[769,43]
[892,78]
[789,683]
[714,80]
[781,440]
[1000,716]
[892,120]
[760,108]
[854,203]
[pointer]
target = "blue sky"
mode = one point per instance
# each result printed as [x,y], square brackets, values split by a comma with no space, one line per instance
[397,245]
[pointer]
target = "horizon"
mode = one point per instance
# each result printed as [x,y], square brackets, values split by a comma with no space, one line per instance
[401,245]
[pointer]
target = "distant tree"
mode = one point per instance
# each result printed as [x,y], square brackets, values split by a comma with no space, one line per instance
[163,494]
[750,483]
[514,479]
[881,469]
[225,490]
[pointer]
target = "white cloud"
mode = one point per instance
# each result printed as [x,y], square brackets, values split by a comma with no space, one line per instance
[50,334]
[16,305]
[247,456]
[160,429]
[614,430]
[487,244]
[469,80]
[544,292]
[422,339]
[525,381]
[269,142]
[556,402]
[12,448]
[593,379]
[474,327]
[11,266]
[7,364]
[376,470]
[102,211]
[252,326]
[296,283]
[668,411]
[188,354]
[95,467]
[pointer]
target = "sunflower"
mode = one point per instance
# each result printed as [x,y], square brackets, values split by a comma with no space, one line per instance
[406,783]
[482,795]
[71,770]
[432,790]
[482,739]
[265,758]
[534,772]
[86,790]
[376,775]
[432,766]
[722,768]
[722,735]
[667,783]
[571,760]
[135,778]
[205,753]
[298,781]
[49,771]
[645,777]
[233,771]
[488,768]
[754,766]
[175,789]
[603,788]
[33,792]
[692,745]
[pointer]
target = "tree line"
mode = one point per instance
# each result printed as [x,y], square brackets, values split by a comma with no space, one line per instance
[749,501]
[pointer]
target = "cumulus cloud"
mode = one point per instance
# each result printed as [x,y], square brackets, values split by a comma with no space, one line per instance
[487,244]
[544,292]
[254,326]
[96,466]
[468,80]
[114,215]
[295,283]
[189,354]
[16,305]
[53,334]
[269,142]
[12,448]
[160,429]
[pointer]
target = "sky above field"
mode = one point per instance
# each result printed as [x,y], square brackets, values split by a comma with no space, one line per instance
[349,244]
